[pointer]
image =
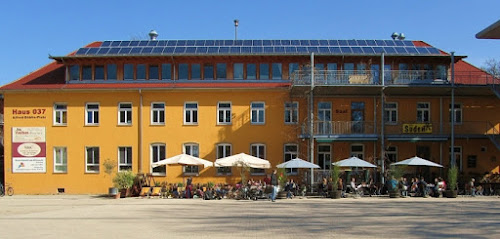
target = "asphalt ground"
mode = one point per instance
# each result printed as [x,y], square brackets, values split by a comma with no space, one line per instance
[93,216]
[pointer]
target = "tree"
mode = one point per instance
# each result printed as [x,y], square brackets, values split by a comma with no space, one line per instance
[492,66]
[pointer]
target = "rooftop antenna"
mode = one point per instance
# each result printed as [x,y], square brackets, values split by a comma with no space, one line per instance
[236,23]
[153,35]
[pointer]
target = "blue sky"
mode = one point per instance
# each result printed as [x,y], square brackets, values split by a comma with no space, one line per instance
[31,30]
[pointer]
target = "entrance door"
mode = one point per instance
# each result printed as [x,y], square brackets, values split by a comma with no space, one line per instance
[357,117]
[324,156]
[324,118]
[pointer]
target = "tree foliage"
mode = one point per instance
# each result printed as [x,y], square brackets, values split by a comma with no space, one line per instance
[492,66]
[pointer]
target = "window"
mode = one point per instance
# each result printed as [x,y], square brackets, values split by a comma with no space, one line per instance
[158,113]
[153,72]
[224,113]
[442,72]
[471,161]
[125,113]
[392,154]
[361,67]
[238,71]
[259,151]
[221,71]
[193,150]
[183,71]
[348,68]
[223,150]
[74,72]
[92,160]
[277,71]
[128,72]
[208,72]
[60,114]
[191,113]
[423,112]
[60,160]
[141,72]
[158,152]
[87,73]
[264,71]
[357,150]
[195,71]
[257,113]
[251,71]
[458,113]
[292,68]
[92,116]
[166,71]
[111,72]
[457,154]
[124,158]
[428,72]
[391,113]
[291,112]
[291,151]
[99,72]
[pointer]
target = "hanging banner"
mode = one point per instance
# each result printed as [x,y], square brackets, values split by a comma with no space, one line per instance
[29,150]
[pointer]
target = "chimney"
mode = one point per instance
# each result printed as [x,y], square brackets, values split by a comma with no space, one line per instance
[153,35]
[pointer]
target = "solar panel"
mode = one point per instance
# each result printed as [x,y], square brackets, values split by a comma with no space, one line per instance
[411,50]
[181,43]
[125,50]
[146,50]
[171,43]
[103,51]
[346,50]
[266,43]
[356,50]
[361,42]
[201,50]
[169,50]
[389,50]
[106,43]
[314,42]
[279,49]
[304,43]
[82,51]
[219,42]
[190,50]
[152,43]
[389,43]
[400,50]
[371,43]
[224,49]
[422,50]
[333,42]
[209,43]
[268,49]
[301,49]
[324,50]
[323,42]
[343,43]
[125,43]
[352,42]
[378,50]
[190,43]
[399,43]
[286,42]
[433,50]
[92,51]
[276,42]
[143,43]
[199,42]
[162,43]
[179,50]
[247,42]
[228,42]
[235,49]
[246,50]
[113,51]
[157,50]
[257,49]
[380,42]
[368,50]
[213,49]
[257,43]
[290,49]
[408,43]
[115,43]
[295,43]
[134,43]
[238,42]
[335,50]
[136,50]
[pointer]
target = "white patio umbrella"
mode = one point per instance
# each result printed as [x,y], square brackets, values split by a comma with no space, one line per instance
[354,162]
[297,163]
[417,161]
[183,159]
[242,159]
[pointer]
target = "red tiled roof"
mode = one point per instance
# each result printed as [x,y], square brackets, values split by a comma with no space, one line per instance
[465,73]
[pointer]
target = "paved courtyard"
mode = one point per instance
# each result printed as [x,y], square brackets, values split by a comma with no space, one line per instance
[68,216]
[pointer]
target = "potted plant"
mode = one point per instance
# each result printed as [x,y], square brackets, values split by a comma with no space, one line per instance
[452,182]
[335,174]
[282,180]
[108,169]
[124,180]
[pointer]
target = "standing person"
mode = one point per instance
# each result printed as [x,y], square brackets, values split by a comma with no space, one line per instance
[189,187]
[472,187]
[274,183]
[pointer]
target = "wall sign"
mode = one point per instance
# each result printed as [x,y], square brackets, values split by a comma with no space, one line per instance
[417,128]
[29,150]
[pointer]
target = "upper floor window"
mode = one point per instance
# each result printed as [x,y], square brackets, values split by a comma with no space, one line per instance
[124,158]
[223,150]
[291,112]
[92,114]
[60,160]
[251,71]
[183,71]
[92,160]
[111,72]
[277,71]
[291,151]
[292,68]
[423,112]
[141,72]
[99,72]
[257,113]
[238,71]
[224,113]
[208,71]
[458,113]
[391,113]
[221,71]
[442,72]
[158,113]
[87,72]
[259,151]
[392,153]
[191,113]
[154,72]
[195,72]
[158,152]
[128,72]
[125,113]
[60,114]
[264,71]
[74,72]
[166,71]
[193,150]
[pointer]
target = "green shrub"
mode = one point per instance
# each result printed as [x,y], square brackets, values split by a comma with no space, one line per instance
[124,179]
[452,178]
[335,174]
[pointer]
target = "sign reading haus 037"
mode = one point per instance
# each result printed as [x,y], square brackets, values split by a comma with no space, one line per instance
[34,113]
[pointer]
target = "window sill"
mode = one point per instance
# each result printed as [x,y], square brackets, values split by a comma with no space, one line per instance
[124,125]
[91,125]
[159,174]
[224,124]
[60,125]
[191,124]
[224,174]
[191,174]
[157,124]
[60,172]
[87,172]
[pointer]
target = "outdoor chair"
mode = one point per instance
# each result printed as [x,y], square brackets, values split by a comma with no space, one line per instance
[156,192]
[145,191]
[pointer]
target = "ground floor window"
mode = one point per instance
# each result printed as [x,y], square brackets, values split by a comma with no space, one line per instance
[193,150]
[125,158]
[158,152]
[291,151]
[324,156]
[60,160]
[92,160]
[223,150]
[259,151]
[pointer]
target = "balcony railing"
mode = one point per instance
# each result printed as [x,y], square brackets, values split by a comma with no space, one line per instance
[391,77]
[340,127]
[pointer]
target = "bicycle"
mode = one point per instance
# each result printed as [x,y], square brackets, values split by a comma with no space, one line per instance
[9,191]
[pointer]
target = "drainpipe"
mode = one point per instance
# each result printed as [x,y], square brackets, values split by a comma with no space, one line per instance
[311,122]
[452,150]
[140,131]
[382,123]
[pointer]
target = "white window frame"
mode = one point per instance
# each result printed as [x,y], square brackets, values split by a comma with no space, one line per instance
[424,110]
[95,160]
[357,153]
[193,114]
[60,152]
[292,109]
[187,148]
[94,112]
[157,112]
[389,110]
[127,164]
[224,171]
[257,153]
[291,155]
[226,120]
[127,113]
[457,110]
[258,111]
[62,114]
[159,157]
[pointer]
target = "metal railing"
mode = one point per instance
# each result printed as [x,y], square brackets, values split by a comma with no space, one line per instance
[340,127]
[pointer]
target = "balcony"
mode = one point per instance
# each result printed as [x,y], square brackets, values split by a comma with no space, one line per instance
[326,131]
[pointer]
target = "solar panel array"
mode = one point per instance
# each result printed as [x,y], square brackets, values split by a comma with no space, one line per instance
[257,47]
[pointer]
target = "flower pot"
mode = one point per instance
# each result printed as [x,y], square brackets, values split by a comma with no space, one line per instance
[394,194]
[125,192]
[112,191]
[336,194]
[451,193]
